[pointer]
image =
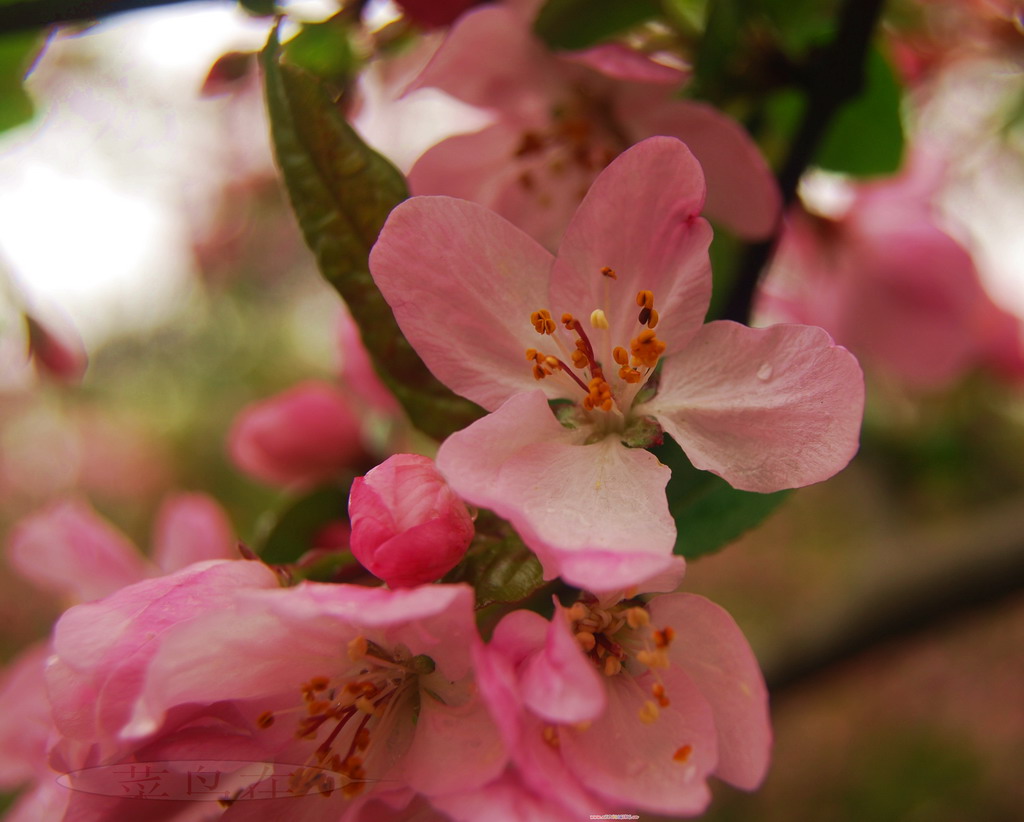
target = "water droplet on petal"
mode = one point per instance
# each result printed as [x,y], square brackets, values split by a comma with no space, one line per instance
[764,372]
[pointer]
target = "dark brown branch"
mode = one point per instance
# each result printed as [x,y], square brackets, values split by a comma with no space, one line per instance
[38,14]
[834,78]
[938,584]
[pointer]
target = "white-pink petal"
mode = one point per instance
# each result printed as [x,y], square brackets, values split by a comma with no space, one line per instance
[600,502]
[462,283]
[710,647]
[641,219]
[764,408]
[192,528]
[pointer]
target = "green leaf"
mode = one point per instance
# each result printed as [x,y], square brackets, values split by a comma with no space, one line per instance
[342,192]
[17,53]
[287,534]
[578,24]
[324,49]
[866,136]
[709,513]
[500,568]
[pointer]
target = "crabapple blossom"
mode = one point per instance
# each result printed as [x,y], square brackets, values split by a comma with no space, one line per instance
[299,437]
[888,281]
[507,325]
[374,685]
[560,119]
[627,702]
[408,526]
[70,550]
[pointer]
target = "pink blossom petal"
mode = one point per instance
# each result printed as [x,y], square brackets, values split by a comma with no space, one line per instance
[639,218]
[602,503]
[491,59]
[102,648]
[506,799]
[304,435]
[710,647]
[456,747]
[632,762]
[559,683]
[764,408]
[192,528]
[484,161]
[741,190]
[69,549]
[25,723]
[620,62]
[463,283]
[307,627]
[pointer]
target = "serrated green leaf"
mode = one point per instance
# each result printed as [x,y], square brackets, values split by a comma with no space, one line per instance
[578,24]
[342,192]
[287,534]
[709,513]
[865,138]
[500,570]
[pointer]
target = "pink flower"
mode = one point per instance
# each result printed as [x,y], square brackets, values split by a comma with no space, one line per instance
[372,684]
[408,526]
[629,704]
[560,119]
[886,280]
[57,349]
[764,408]
[302,436]
[69,549]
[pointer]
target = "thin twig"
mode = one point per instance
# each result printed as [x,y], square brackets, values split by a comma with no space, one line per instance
[834,78]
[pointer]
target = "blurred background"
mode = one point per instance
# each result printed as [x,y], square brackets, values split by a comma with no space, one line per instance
[154,284]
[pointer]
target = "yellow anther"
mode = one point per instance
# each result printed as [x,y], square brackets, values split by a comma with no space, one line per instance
[683,754]
[586,640]
[579,359]
[598,319]
[357,648]
[645,299]
[319,683]
[610,273]
[612,665]
[550,734]
[664,637]
[576,611]
[531,353]
[542,322]
[637,617]
[653,319]
[652,659]
[568,320]
[265,719]
[658,692]
[646,348]
[364,705]
[620,355]
[630,375]
[649,712]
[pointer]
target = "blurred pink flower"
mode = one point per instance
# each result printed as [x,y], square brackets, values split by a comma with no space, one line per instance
[886,280]
[561,119]
[67,548]
[628,703]
[408,526]
[58,351]
[70,550]
[301,436]
[764,408]
[372,684]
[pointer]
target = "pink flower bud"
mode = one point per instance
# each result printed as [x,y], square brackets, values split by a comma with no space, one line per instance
[408,526]
[301,436]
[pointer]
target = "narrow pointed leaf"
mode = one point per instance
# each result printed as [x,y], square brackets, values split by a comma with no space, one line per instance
[342,192]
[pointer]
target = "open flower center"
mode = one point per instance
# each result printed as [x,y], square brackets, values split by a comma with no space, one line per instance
[341,712]
[577,357]
[620,640]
